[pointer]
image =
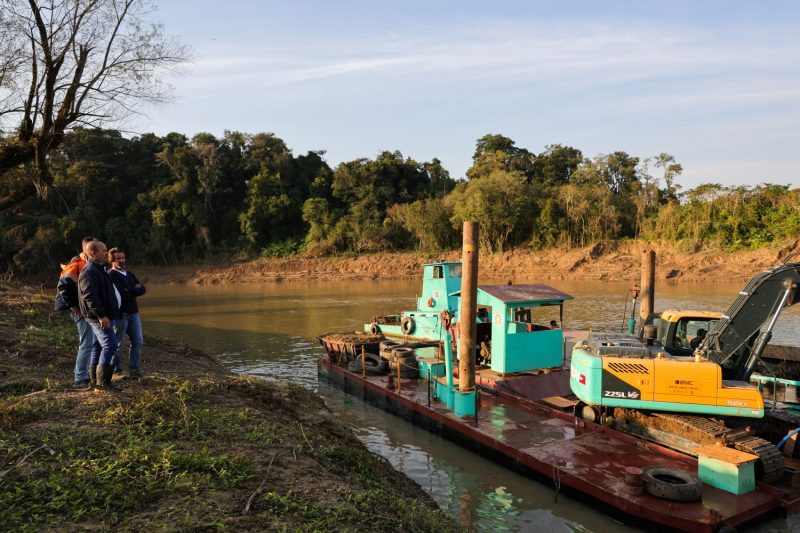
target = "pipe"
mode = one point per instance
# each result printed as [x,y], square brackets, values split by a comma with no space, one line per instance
[787,437]
[476,407]
[429,388]
[632,319]
[648,285]
[469,308]
[448,359]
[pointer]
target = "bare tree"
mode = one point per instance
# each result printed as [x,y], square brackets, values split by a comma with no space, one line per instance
[67,63]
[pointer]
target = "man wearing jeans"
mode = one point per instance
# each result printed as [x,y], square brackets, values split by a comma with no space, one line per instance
[129,289]
[99,305]
[67,299]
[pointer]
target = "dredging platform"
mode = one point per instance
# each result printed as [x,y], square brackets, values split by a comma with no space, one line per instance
[538,434]
[653,439]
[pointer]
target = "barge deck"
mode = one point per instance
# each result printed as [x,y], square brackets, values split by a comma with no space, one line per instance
[551,444]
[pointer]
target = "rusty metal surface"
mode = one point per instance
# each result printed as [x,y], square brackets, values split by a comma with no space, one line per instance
[588,458]
[527,386]
[524,293]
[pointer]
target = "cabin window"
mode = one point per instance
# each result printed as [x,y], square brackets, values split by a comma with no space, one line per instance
[537,318]
[438,272]
[454,271]
[690,333]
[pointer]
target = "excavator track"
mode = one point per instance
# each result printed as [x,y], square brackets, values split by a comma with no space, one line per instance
[687,432]
[771,459]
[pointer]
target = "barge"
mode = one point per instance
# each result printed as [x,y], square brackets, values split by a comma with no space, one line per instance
[540,436]
[524,412]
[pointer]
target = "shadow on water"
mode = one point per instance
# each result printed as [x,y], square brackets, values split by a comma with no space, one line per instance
[270,331]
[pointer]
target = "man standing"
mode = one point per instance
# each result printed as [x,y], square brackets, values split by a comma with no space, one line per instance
[99,305]
[129,289]
[67,299]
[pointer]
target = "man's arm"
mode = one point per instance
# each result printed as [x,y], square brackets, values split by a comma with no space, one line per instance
[67,289]
[137,289]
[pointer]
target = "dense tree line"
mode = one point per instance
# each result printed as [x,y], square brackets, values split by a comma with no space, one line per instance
[172,199]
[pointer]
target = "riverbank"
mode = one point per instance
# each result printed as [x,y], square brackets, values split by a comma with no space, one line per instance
[614,261]
[190,446]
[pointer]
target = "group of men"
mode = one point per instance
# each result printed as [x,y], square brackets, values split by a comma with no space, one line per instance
[100,294]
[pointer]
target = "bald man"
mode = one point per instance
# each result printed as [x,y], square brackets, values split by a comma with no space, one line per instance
[99,302]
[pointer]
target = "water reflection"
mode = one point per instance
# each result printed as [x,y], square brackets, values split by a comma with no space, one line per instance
[270,331]
[483,495]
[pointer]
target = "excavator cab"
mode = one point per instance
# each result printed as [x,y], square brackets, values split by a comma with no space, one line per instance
[679,332]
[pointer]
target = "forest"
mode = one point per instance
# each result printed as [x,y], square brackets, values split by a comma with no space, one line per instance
[174,199]
[68,71]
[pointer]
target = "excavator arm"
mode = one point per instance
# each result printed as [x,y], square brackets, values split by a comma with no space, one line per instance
[737,341]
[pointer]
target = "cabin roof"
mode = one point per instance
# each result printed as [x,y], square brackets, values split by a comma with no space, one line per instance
[524,293]
[437,263]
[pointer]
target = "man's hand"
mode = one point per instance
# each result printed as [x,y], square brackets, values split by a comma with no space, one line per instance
[75,310]
[105,323]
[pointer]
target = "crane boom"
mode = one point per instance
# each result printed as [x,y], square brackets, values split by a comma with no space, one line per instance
[737,341]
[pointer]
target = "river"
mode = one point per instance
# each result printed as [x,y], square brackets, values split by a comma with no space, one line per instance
[269,330]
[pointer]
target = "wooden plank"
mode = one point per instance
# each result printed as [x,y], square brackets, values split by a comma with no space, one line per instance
[727,455]
[559,402]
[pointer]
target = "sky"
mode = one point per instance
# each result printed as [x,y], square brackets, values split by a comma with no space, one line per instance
[714,83]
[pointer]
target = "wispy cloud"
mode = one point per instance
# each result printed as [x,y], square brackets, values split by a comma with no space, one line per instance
[595,54]
[602,82]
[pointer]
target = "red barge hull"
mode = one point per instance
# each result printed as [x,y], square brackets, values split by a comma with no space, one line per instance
[583,458]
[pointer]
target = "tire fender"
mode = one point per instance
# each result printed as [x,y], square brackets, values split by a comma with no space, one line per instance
[407,325]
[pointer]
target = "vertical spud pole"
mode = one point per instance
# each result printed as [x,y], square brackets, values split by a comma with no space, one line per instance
[468,310]
[648,295]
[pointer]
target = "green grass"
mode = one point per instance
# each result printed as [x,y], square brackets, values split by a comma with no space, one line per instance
[56,332]
[120,458]
[15,413]
[179,453]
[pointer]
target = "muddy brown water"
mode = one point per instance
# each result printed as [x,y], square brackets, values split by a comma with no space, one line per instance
[269,330]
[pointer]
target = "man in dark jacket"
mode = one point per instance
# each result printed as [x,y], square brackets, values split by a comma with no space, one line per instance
[67,300]
[129,288]
[99,303]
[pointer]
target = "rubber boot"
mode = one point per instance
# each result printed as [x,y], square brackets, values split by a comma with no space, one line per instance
[92,376]
[105,372]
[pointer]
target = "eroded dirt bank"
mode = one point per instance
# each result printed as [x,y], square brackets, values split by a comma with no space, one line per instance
[190,447]
[604,261]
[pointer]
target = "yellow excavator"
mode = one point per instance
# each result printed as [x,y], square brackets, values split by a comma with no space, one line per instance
[692,400]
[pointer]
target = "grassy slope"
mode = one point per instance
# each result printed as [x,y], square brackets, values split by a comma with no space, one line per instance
[185,448]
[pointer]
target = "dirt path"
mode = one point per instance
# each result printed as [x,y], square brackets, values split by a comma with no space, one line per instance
[605,261]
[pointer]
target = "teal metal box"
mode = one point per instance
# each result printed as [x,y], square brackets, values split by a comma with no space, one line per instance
[436,368]
[727,469]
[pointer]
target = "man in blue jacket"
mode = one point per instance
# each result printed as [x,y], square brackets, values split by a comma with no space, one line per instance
[99,303]
[129,288]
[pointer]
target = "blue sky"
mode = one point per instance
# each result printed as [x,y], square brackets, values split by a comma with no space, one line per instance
[714,83]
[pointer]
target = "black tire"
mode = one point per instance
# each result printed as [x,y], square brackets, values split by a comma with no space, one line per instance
[374,329]
[403,352]
[388,353]
[407,325]
[379,369]
[388,346]
[376,366]
[671,484]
